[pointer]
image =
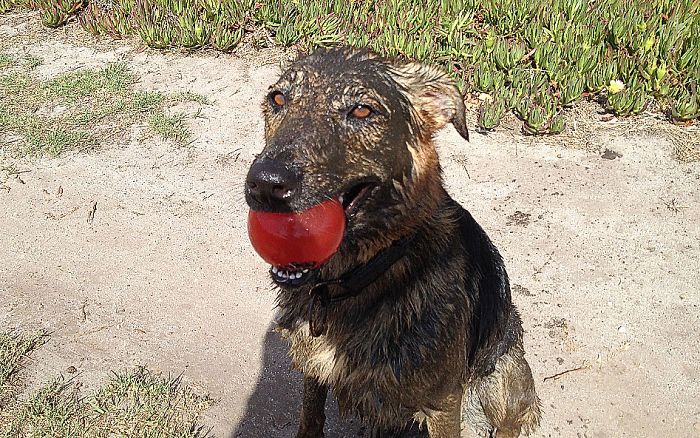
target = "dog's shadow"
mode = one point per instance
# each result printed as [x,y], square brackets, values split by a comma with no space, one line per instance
[273,408]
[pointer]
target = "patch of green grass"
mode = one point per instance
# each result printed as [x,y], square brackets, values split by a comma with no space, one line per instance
[32,62]
[171,127]
[134,403]
[533,58]
[114,78]
[155,405]
[147,100]
[15,348]
[53,140]
[80,110]
[6,60]
[53,410]
[189,96]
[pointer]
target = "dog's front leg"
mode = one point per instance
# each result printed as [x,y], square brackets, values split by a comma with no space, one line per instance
[313,409]
[446,422]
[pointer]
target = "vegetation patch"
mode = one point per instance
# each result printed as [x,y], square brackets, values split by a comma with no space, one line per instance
[532,58]
[7,5]
[78,110]
[133,403]
[14,351]
[171,127]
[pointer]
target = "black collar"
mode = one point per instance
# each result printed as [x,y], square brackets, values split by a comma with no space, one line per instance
[353,282]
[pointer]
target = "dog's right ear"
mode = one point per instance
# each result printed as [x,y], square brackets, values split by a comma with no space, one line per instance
[433,94]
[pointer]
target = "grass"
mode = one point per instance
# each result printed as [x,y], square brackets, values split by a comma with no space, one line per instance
[171,127]
[189,96]
[7,5]
[79,110]
[532,58]
[132,403]
[114,79]
[14,350]
[6,60]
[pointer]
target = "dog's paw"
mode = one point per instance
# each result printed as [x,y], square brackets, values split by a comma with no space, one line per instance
[310,431]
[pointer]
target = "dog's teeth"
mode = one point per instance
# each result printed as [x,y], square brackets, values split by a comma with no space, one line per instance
[298,274]
[340,198]
[305,271]
[274,269]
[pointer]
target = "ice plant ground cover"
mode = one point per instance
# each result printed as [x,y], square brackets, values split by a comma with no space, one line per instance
[532,58]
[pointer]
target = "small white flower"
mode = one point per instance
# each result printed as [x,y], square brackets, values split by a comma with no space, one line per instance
[616,86]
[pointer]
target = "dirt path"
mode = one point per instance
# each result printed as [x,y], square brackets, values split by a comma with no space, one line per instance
[604,256]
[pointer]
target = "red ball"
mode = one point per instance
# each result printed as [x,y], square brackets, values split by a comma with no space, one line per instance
[308,237]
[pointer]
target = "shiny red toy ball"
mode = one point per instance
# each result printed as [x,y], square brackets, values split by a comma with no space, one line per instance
[308,237]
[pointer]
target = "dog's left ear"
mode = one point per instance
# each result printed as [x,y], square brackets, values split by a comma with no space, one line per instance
[433,94]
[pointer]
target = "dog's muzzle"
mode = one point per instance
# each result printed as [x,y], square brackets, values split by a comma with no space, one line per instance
[271,186]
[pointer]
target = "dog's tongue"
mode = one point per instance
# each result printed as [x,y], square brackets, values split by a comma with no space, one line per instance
[308,237]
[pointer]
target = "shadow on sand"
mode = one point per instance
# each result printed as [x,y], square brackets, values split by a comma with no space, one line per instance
[273,408]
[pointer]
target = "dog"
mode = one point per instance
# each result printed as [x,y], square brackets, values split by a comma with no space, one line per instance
[410,323]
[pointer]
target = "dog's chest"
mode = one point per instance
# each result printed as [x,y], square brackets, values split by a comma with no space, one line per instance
[360,388]
[315,356]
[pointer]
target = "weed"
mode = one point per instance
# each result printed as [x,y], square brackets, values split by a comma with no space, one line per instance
[32,62]
[575,48]
[114,78]
[8,5]
[80,110]
[171,127]
[189,96]
[578,47]
[6,60]
[154,404]
[14,348]
[134,400]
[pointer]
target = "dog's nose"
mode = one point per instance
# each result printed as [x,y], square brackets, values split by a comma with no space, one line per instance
[271,183]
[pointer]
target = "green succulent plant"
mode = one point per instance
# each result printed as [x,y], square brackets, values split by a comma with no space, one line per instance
[557,125]
[225,38]
[106,18]
[536,121]
[55,13]
[627,102]
[194,29]
[490,113]
[571,90]
[526,54]
[685,106]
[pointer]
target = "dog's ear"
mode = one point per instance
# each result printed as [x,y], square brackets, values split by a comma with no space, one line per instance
[433,94]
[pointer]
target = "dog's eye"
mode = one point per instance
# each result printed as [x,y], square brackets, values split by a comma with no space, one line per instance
[277,99]
[361,111]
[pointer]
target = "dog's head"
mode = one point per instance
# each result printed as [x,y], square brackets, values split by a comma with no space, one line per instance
[347,124]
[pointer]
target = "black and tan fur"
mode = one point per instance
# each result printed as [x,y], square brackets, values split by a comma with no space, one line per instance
[435,339]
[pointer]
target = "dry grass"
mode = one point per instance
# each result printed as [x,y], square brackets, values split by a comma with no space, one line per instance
[132,403]
[14,351]
[79,110]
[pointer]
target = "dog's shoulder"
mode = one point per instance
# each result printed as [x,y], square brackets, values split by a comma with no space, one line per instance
[489,291]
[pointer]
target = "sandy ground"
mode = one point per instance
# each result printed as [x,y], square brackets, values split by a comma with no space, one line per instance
[603,255]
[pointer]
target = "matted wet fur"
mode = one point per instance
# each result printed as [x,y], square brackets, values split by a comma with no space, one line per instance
[434,340]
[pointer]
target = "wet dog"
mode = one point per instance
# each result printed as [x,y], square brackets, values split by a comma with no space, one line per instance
[411,321]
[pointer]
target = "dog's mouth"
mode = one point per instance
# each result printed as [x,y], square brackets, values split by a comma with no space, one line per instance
[297,274]
[292,275]
[354,196]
